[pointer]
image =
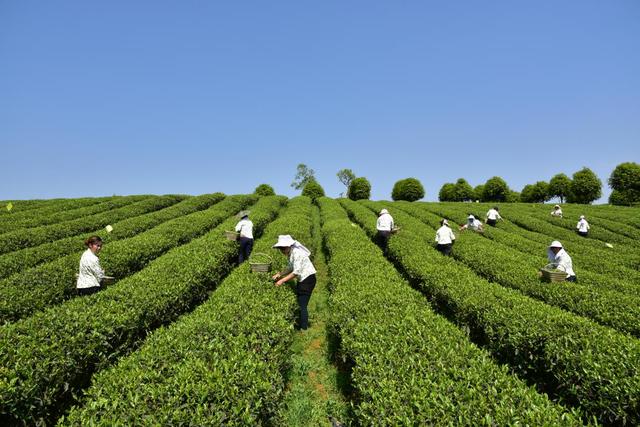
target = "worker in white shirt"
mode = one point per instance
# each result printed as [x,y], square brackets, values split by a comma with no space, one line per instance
[300,267]
[583,226]
[384,225]
[556,211]
[493,216]
[472,224]
[561,259]
[90,274]
[245,228]
[445,238]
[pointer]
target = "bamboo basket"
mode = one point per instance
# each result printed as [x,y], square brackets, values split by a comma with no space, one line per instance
[106,280]
[231,235]
[549,275]
[261,267]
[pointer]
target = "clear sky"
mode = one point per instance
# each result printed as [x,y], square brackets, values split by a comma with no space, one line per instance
[156,97]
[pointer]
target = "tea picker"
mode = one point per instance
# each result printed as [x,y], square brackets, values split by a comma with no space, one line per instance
[244,228]
[472,224]
[493,216]
[445,238]
[583,226]
[556,211]
[300,267]
[385,227]
[560,266]
[91,275]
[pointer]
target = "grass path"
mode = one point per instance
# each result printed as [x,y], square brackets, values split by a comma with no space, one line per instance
[314,396]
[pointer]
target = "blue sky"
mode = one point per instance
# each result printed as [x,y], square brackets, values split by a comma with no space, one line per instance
[122,97]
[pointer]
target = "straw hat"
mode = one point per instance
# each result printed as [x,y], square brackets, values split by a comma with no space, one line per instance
[284,241]
[384,211]
[555,244]
[243,214]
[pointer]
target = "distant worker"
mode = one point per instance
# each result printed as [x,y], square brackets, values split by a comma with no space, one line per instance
[384,225]
[583,226]
[91,274]
[556,211]
[299,266]
[445,238]
[472,224]
[245,228]
[561,259]
[493,216]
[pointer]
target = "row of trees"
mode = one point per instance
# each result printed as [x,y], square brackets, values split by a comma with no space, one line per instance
[583,187]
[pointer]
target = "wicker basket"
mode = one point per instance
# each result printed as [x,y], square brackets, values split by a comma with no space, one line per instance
[549,274]
[231,235]
[261,267]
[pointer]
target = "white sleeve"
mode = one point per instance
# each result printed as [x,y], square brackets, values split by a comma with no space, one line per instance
[453,236]
[94,267]
[239,226]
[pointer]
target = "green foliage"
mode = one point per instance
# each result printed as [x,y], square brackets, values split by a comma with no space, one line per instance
[535,193]
[409,365]
[560,186]
[626,176]
[304,175]
[625,182]
[20,260]
[313,190]
[360,188]
[461,191]
[229,356]
[495,190]
[49,284]
[409,189]
[447,193]
[114,210]
[264,190]
[478,192]
[576,360]
[27,214]
[345,176]
[585,187]
[54,353]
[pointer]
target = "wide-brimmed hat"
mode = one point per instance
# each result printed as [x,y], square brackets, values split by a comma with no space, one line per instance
[243,214]
[581,216]
[284,241]
[555,244]
[471,217]
[557,206]
[384,211]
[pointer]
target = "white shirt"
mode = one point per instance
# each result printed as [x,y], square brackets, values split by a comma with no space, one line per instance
[563,260]
[474,225]
[245,227]
[300,264]
[583,226]
[444,235]
[90,273]
[556,212]
[385,222]
[493,214]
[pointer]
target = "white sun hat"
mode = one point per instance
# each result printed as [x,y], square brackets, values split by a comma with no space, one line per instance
[445,222]
[471,217]
[284,241]
[581,216]
[555,244]
[384,211]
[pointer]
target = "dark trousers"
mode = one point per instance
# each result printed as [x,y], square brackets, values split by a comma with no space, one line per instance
[572,279]
[582,233]
[88,291]
[246,246]
[492,222]
[303,293]
[382,239]
[445,249]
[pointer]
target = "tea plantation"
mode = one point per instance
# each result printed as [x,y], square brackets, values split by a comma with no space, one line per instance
[406,336]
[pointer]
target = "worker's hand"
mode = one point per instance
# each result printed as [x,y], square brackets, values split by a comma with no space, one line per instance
[276,276]
[279,282]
